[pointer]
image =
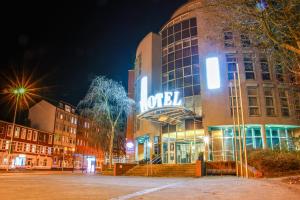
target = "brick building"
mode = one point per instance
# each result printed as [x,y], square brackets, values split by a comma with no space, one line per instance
[31,148]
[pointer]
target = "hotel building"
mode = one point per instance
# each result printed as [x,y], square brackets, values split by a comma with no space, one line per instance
[196,80]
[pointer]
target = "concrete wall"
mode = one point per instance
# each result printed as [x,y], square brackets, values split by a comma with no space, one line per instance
[42,116]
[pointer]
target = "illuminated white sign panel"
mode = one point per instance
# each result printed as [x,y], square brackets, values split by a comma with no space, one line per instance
[213,73]
[157,101]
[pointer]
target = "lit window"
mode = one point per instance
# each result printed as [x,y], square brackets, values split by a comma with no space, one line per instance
[35,133]
[17,132]
[23,133]
[29,134]
[213,73]
[253,103]
[231,63]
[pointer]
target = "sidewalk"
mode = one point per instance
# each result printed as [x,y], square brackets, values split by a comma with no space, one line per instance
[40,172]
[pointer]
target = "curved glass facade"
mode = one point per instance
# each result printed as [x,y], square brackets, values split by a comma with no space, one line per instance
[180,58]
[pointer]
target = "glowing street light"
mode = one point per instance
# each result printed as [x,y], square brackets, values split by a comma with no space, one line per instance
[17,93]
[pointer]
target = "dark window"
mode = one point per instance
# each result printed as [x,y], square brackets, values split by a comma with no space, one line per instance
[193,22]
[228,39]
[177,27]
[164,33]
[171,85]
[164,68]
[170,39]
[185,24]
[245,41]
[164,42]
[195,59]
[196,80]
[170,30]
[188,91]
[188,81]
[194,50]
[178,47]
[171,66]
[171,75]
[194,31]
[194,42]
[187,61]
[164,60]
[178,54]
[178,63]
[185,34]
[196,89]
[196,69]
[171,57]
[165,77]
[179,83]
[179,73]
[186,52]
[187,71]
[178,36]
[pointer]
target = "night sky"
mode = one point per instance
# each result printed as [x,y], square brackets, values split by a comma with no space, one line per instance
[71,41]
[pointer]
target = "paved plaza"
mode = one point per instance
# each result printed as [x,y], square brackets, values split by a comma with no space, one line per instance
[69,186]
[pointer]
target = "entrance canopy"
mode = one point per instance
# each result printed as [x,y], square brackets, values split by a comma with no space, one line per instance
[167,115]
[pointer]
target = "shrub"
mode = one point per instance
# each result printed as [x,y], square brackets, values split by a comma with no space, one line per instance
[272,162]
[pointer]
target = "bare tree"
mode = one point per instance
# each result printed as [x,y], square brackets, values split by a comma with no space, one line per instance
[273,24]
[106,102]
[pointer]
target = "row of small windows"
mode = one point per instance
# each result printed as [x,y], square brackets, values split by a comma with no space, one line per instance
[64,139]
[284,98]
[25,147]
[248,62]
[229,40]
[27,134]
[67,117]
[65,128]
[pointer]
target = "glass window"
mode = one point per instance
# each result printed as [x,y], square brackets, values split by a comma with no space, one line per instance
[23,134]
[187,61]
[231,62]
[297,104]
[171,75]
[188,81]
[245,40]
[178,54]
[186,52]
[284,105]
[279,73]
[249,69]
[29,134]
[269,101]
[253,104]
[171,66]
[170,39]
[194,50]
[17,132]
[177,27]
[34,137]
[187,71]
[193,31]
[179,83]
[178,63]
[179,73]
[188,91]
[228,39]
[185,24]
[265,72]
[196,69]
[196,80]
[186,34]
[196,89]
[193,22]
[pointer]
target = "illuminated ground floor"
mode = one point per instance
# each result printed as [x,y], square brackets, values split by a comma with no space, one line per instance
[217,144]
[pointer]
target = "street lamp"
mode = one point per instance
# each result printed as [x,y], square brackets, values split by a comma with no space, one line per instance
[17,93]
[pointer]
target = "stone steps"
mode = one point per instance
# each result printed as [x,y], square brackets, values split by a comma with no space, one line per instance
[161,170]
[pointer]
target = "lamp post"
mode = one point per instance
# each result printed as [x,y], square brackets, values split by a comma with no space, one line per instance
[18,93]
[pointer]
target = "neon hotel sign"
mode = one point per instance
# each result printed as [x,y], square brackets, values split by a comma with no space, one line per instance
[158,100]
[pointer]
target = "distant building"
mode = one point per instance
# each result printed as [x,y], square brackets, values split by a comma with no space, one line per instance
[61,120]
[31,148]
[88,152]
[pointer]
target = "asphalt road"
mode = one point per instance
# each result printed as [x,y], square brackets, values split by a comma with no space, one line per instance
[77,186]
